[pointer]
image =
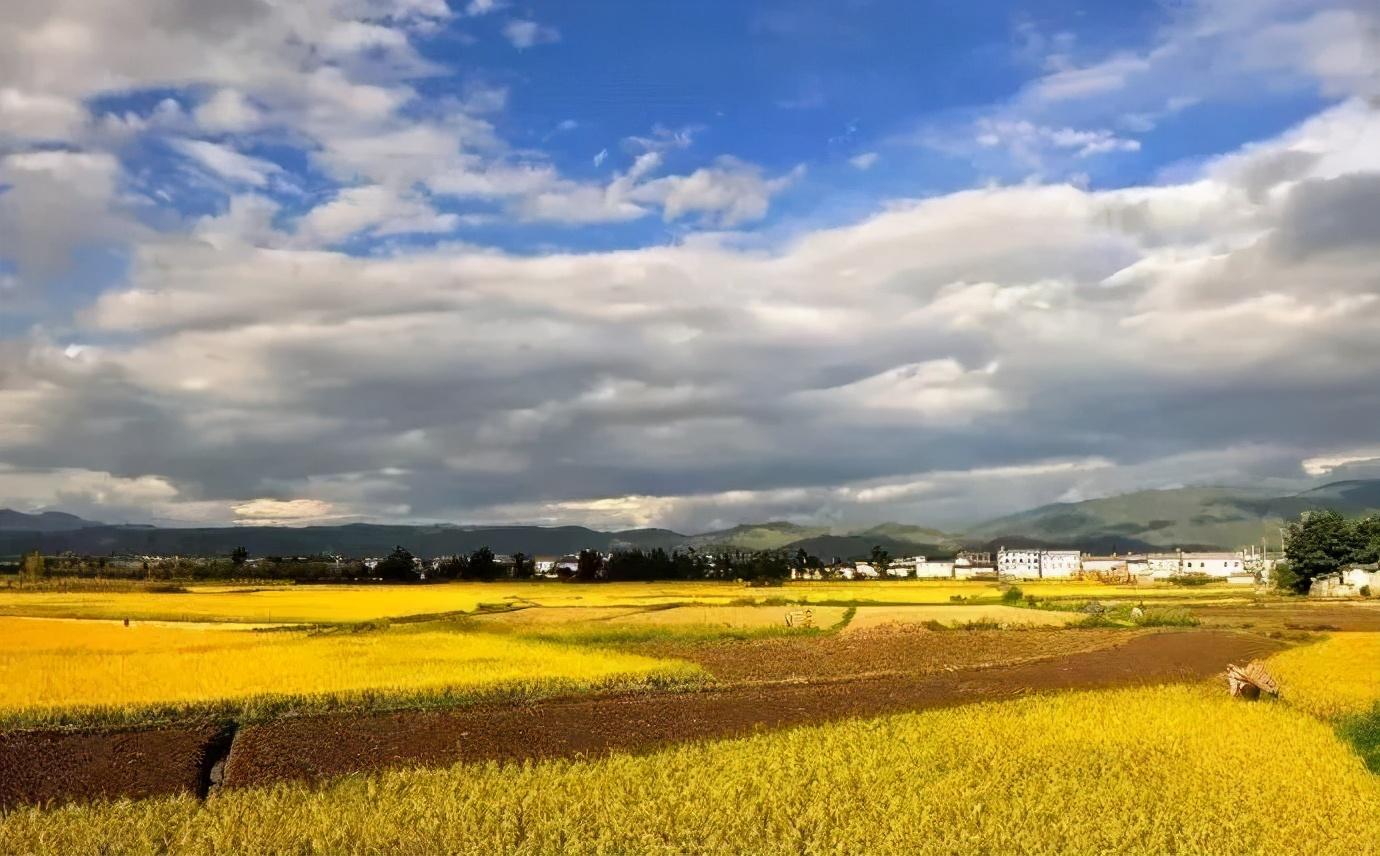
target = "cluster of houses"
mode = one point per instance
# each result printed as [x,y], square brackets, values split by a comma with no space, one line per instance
[1246,567]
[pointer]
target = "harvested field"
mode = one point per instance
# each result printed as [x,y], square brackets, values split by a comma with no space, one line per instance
[898,649]
[43,766]
[313,748]
[734,616]
[868,617]
[1292,615]
[549,616]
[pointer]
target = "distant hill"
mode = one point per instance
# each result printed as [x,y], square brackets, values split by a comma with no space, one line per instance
[847,547]
[1184,517]
[758,536]
[1153,519]
[43,521]
[352,540]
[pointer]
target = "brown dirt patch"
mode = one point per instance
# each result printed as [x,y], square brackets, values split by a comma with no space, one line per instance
[43,766]
[895,649]
[319,747]
[1293,616]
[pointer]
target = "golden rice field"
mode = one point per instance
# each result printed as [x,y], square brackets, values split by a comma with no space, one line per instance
[69,671]
[1336,677]
[956,616]
[349,604]
[1139,771]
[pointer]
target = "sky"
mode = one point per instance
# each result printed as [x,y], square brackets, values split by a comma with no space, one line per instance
[630,264]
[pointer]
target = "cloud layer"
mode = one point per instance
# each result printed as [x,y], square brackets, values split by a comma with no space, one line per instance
[939,359]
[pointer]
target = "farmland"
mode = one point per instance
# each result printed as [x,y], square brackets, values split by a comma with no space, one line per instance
[1337,677]
[1010,777]
[68,671]
[322,604]
[541,717]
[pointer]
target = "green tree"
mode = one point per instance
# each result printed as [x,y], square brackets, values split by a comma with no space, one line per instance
[453,568]
[590,566]
[482,565]
[880,560]
[1317,544]
[523,566]
[238,557]
[32,568]
[1367,531]
[400,565]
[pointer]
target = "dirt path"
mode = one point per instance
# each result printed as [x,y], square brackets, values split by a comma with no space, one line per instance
[49,766]
[319,747]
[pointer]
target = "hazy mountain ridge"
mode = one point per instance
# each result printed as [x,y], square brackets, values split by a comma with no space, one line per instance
[43,521]
[1219,517]
[1196,517]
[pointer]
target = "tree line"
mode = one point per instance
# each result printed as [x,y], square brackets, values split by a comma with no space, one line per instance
[1320,543]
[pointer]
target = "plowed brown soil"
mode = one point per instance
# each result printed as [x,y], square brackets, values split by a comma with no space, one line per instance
[43,766]
[1293,616]
[319,747]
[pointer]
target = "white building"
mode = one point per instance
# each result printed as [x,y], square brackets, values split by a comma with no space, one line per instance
[1038,564]
[1059,564]
[970,566]
[1162,565]
[1348,583]
[930,570]
[1104,564]
[1213,564]
[1222,565]
[1019,564]
[864,571]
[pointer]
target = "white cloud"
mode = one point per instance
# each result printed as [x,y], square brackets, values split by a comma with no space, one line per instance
[864,161]
[375,209]
[526,34]
[38,116]
[1324,464]
[476,8]
[284,512]
[600,156]
[1004,344]
[933,392]
[729,193]
[227,163]
[228,110]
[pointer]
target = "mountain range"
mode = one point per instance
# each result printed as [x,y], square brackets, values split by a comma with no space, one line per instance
[1192,517]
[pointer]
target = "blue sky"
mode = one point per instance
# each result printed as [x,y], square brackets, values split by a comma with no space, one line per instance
[685,264]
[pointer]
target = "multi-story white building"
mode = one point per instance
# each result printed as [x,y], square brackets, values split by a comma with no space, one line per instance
[970,566]
[1020,564]
[1038,564]
[1059,564]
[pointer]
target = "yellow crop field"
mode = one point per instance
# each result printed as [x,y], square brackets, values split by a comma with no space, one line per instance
[325,604]
[1141,771]
[1332,678]
[60,671]
[953,616]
